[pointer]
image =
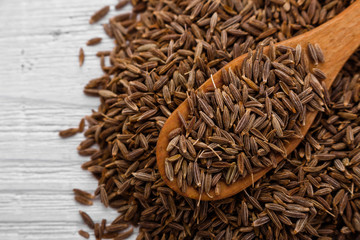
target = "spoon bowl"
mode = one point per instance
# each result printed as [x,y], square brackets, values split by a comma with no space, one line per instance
[338,39]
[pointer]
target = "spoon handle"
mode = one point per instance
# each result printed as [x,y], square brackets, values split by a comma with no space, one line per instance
[338,39]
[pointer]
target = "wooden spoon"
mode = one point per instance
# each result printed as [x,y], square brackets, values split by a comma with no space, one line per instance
[338,39]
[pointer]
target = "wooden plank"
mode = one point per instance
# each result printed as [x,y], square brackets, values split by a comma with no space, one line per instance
[41,93]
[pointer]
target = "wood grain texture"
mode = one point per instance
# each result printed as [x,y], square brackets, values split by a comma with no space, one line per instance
[41,93]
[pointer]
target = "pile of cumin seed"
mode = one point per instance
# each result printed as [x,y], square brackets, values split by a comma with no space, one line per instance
[312,194]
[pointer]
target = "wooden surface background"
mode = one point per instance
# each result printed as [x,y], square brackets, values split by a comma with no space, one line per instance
[40,94]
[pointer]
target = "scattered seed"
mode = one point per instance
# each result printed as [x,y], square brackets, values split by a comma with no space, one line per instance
[93,41]
[81,57]
[99,14]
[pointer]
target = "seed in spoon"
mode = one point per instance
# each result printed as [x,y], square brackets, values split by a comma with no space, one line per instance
[238,108]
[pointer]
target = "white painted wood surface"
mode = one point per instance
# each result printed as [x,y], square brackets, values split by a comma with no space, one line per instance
[40,94]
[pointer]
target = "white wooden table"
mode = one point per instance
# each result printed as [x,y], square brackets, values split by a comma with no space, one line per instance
[41,93]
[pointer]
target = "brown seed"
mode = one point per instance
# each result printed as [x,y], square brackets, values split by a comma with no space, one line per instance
[207,119]
[294,214]
[244,213]
[99,14]
[84,234]
[135,153]
[81,125]
[243,122]
[83,200]
[261,221]
[284,77]
[197,179]
[230,174]
[319,53]
[107,93]
[274,218]
[300,224]
[312,53]
[117,227]
[319,74]
[275,207]
[207,183]
[213,22]
[81,57]
[103,196]
[93,41]
[173,143]
[283,68]
[169,171]
[298,54]
[68,132]
[276,125]
[83,193]
[144,176]
[87,219]
[121,4]
[221,215]
[124,235]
